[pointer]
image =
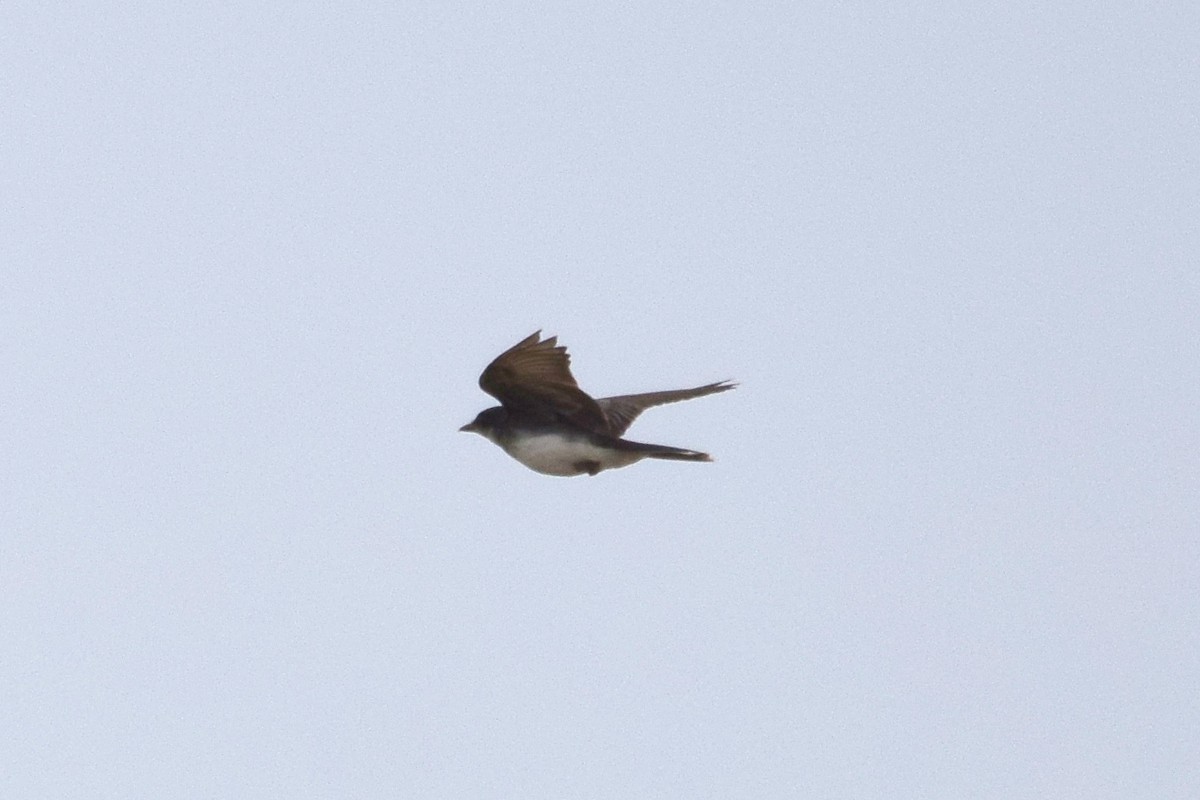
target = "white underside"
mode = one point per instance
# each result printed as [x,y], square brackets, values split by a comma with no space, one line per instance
[553,455]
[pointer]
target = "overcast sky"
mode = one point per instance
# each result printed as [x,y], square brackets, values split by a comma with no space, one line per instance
[255,257]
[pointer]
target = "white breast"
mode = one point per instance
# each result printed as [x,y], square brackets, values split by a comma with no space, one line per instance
[554,455]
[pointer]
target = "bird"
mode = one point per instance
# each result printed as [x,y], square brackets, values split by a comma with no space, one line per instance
[546,422]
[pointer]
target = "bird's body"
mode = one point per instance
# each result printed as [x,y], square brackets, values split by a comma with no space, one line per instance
[546,422]
[559,449]
[563,454]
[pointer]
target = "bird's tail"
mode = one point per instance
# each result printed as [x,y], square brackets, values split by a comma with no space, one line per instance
[665,452]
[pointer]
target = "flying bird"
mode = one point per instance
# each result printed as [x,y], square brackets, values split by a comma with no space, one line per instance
[550,425]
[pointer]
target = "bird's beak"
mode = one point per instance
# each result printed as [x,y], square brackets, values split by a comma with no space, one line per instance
[468,428]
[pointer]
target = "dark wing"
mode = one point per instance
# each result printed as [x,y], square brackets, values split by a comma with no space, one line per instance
[535,376]
[622,411]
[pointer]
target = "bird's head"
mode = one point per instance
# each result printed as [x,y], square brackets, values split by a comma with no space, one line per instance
[486,422]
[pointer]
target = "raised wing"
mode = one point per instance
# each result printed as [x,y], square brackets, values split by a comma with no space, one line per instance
[535,376]
[623,410]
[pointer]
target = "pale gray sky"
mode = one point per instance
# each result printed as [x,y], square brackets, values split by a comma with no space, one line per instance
[256,256]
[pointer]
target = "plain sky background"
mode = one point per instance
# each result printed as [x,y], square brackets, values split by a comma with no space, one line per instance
[254,257]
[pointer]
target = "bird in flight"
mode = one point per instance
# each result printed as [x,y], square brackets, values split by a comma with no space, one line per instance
[550,425]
